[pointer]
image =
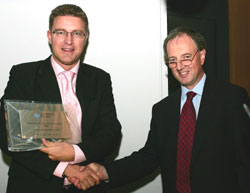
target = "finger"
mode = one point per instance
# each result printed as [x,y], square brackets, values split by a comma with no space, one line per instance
[45,150]
[75,181]
[47,143]
[95,177]
[82,168]
[51,157]
[92,179]
[77,184]
[92,174]
[71,179]
[85,185]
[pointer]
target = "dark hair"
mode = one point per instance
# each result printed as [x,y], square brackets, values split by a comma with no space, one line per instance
[179,31]
[68,9]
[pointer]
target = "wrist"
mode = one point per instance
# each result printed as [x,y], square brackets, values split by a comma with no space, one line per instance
[104,174]
[67,171]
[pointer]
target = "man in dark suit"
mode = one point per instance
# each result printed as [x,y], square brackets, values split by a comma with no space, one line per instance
[212,157]
[98,131]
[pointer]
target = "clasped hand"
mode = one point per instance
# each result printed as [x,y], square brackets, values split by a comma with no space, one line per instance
[81,176]
[59,151]
[84,177]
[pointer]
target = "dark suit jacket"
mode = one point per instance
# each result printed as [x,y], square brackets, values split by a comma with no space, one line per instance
[220,160]
[101,131]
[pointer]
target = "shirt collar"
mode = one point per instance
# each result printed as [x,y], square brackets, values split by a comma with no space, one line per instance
[198,89]
[58,69]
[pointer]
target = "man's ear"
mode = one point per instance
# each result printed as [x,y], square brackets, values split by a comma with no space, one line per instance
[49,36]
[202,56]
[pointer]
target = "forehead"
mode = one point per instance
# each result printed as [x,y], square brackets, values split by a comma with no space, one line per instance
[180,45]
[68,22]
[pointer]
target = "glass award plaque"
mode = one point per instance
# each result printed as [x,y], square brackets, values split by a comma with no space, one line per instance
[28,122]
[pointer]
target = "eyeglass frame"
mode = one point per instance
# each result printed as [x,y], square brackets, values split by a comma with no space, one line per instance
[65,33]
[191,60]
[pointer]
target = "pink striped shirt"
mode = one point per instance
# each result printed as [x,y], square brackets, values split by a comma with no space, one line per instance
[79,155]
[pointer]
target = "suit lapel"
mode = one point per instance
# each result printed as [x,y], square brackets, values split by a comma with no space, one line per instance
[206,111]
[46,86]
[83,85]
[174,114]
[171,113]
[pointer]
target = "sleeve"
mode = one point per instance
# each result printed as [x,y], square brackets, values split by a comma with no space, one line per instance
[241,124]
[79,157]
[101,128]
[139,164]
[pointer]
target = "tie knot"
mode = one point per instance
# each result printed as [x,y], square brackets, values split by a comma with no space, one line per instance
[190,95]
[69,75]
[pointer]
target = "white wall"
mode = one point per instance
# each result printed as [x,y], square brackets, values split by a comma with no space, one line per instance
[125,39]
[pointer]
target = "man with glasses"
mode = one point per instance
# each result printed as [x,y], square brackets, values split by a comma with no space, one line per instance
[86,94]
[199,136]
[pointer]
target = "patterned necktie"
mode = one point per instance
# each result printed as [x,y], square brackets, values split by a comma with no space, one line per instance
[70,103]
[185,142]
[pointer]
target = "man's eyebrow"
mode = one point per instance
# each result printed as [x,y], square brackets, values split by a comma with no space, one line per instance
[186,54]
[171,57]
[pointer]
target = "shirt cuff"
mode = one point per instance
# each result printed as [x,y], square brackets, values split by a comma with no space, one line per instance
[79,155]
[60,169]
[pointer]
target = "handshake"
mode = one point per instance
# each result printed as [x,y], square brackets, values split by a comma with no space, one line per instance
[84,177]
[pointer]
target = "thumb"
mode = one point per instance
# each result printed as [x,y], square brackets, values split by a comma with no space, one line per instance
[82,168]
[47,143]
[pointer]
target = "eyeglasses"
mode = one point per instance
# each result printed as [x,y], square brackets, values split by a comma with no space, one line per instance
[172,63]
[75,34]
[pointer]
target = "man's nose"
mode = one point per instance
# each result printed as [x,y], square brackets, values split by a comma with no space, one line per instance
[68,38]
[179,65]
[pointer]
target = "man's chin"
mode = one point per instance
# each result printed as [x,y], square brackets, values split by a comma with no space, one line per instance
[69,62]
